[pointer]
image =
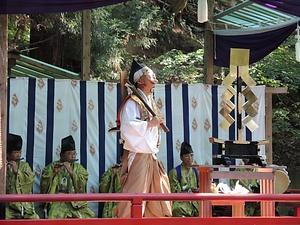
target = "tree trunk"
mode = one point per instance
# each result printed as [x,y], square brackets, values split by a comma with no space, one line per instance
[48,43]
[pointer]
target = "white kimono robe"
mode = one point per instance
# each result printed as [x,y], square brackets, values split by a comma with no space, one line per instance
[145,173]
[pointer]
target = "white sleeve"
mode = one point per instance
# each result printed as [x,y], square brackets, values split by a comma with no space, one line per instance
[138,137]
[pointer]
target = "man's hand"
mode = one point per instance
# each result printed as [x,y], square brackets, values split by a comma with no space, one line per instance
[13,165]
[156,121]
[158,143]
[115,168]
[123,178]
[57,167]
[68,167]
[195,190]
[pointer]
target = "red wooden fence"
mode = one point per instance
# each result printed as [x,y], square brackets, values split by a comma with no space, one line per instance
[136,209]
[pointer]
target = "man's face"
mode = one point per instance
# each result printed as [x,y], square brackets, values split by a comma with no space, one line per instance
[14,155]
[150,75]
[187,159]
[68,156]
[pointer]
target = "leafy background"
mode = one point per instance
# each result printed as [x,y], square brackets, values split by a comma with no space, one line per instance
[165,35]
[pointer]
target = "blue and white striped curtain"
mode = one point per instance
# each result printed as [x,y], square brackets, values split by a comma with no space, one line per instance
[43,111]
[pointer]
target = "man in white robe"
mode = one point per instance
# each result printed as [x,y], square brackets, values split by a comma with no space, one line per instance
[142,172]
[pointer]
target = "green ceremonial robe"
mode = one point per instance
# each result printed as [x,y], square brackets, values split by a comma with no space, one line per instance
[62,182]
[188,182]
[251,208]
[245,182]
[110,183]
[20,183]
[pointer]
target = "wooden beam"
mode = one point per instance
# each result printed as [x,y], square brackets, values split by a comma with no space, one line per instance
[208,46]
[86,45]
[279,90]
[123,80]
[3,106]
[268,127]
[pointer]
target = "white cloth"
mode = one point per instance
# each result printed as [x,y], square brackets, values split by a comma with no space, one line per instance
[137,136]
[202,11]
[189,113]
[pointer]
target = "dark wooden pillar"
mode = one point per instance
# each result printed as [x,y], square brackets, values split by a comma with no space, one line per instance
[208,46]
[3,106]
[86,45]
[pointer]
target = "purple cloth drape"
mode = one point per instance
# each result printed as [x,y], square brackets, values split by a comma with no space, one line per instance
[288,6]
[51,6]
[260,44]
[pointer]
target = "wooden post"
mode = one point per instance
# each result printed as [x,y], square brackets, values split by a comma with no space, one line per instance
[123,80]
[267,208]
[208,46]
[268,125]
[86,45]
[137,208]
[205,207]
[3,106]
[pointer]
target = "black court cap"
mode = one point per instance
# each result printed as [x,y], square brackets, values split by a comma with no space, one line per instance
[14,143]
[186,148]
[135,66]
[67,144]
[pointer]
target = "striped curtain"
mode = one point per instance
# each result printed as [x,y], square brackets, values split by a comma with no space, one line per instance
[43,111]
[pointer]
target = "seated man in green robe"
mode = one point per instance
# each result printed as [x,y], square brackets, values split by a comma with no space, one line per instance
[110,183]
[251,208]
[65,176]
[19,180]
[184,178]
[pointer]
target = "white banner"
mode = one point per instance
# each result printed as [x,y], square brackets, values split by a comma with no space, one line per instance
[43,111]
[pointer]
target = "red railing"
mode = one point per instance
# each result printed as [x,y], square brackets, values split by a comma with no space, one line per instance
[136,208]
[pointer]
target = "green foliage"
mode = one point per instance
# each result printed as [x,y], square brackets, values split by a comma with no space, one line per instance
[18,31]
[70,24]
[279,69]
[116,27]
[143,19]
[117,31]
[285,137]
[175,66]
